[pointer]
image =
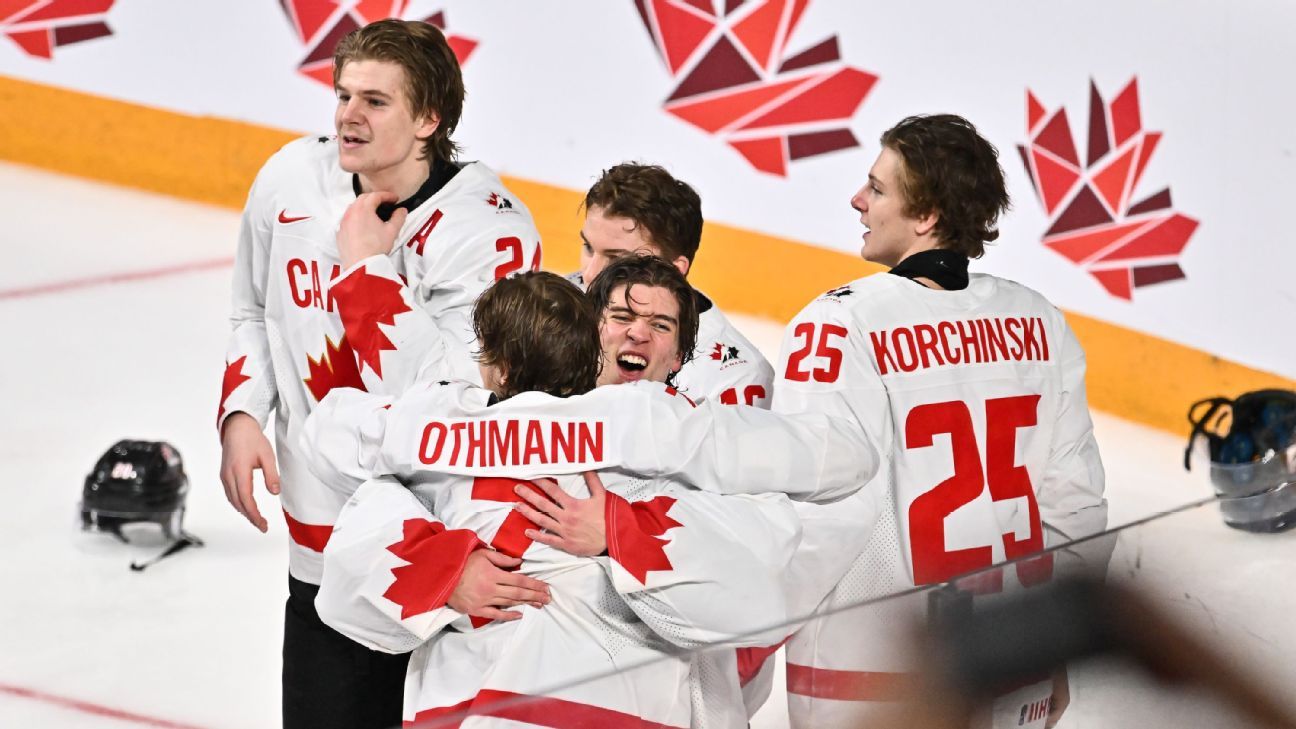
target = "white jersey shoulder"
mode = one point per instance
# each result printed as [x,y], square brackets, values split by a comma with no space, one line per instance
[725,366]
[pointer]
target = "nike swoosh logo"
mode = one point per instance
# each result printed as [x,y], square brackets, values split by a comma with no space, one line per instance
[283,217]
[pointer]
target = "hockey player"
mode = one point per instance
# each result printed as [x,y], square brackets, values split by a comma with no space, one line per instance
[722,565]
[311,314]
[636,208]
[973,387]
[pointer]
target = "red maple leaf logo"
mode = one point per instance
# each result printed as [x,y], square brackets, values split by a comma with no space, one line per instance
[233,378]
[436,559]
[40,26]
[634,531]
[336,367]
[1096,223]
[320,24]
[364,301]
[736,81]
[718,353]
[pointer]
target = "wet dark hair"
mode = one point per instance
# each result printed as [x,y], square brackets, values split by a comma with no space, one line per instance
[644,270]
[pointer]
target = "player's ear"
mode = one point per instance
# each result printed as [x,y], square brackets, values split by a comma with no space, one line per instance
[926,223]
[682,264]
[427,125]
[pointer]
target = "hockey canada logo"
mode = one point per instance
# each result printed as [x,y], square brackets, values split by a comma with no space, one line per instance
[1096,222]
[735,80]
[499,202]
[320,24]
[40,26]
[839,292]
[724,353]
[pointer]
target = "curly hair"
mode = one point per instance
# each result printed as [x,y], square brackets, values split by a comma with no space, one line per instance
[540,330]
[668,209]
[433,80]
[645,270]
[947,168]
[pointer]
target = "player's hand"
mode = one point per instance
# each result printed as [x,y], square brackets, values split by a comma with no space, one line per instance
[487,585]
[576,526]
[362,233]
[244,448]
[1061,697]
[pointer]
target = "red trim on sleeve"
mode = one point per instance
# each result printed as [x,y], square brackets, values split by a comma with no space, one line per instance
[825,683]
[536,710]
[310,536]
[752,660]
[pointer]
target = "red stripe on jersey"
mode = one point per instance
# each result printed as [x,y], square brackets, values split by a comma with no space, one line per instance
[825,683]
[752,660]
[310,536]
[538,710]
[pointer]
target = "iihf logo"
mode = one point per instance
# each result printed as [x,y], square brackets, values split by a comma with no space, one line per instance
[735,79]
[320,24]
[1096,222]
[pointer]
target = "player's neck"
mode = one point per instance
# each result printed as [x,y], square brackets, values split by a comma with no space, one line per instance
[404,180]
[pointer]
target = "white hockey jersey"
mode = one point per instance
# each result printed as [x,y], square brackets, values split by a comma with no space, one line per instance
[976,399]
[303,327]
[684,568]
[735,548]
[645,428]
[725,366]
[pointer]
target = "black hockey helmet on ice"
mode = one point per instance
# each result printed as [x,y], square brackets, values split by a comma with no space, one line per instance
[136,481]
[1252,444]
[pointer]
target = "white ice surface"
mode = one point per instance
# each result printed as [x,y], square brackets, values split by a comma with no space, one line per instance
[195,639]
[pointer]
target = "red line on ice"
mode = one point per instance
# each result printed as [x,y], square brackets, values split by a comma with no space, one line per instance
[91,708]
[112,278]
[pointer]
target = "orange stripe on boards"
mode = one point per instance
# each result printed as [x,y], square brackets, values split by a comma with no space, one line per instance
[197,158]
[1137,376]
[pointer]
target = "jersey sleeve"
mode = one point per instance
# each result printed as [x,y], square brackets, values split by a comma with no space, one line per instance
[824,366]
[343,438]
[751,383]
[703,569]
[810,456]
[392,333]
[248,384]
[1070,495]
[389,569]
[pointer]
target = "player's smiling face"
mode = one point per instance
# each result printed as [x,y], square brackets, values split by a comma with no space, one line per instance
[378,136]
[640,332]
[606,238]
[890,235]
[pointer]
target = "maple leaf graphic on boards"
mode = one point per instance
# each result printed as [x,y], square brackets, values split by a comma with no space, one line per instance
[365,301]
[634,533]
[736,80]
[1095,221]
[320,24]
[40,26]
[436,556]
[336,367]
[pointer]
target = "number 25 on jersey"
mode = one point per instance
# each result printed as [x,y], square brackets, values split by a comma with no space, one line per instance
[932,561]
